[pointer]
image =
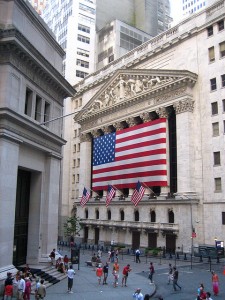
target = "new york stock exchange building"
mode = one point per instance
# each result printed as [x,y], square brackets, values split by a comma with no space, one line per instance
[156,116]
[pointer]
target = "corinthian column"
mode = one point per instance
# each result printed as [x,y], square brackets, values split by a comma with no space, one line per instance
[85,162]
[163,113]
[185,151]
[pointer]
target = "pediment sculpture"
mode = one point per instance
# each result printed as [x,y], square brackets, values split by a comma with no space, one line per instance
[125,87]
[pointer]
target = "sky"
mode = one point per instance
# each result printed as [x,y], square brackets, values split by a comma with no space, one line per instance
[175,8]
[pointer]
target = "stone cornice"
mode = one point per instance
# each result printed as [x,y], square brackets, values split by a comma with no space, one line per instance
[25,131]
[17,50]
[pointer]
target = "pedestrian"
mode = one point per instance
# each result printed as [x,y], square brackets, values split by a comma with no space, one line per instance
[175,279]
[151,272]
[126,271]
[208,296]
[112,255]
[116,267]
[147,297]
[52,256]
[109,255]
[41,292]
[215,283]
[27,289]
[200,291]
[36,288]
[21,287]
[70,275]
[8,291]
[170,274]
[137,254]
[66,262]
[99,273]
[117,255]
[105,273]
[138,295]
[93,261]
[116,277]
[99,253]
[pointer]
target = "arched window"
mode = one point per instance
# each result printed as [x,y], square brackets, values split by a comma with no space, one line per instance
[153,216]
[109,214]
[136,216]
[97,214]
[86,213]
[171,216]
[121,215]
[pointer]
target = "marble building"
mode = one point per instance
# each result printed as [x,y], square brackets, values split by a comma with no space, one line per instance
[178,75]
[32,90]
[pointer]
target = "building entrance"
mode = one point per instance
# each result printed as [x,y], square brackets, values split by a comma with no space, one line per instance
[135,240]
[152,240]
[171,243]
[21,217]
[96,236]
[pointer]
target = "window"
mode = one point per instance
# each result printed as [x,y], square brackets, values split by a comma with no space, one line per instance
[223,218]
[82,63]
[171,216]
[86,213]
[81,74]
[153,216]
[223,103]
[80,102]
[97,214]
[84,28]
[210,31]
[218,187]
[46,113]
[215,128]
[87,8]
[211,54]
[78,162]
[83,39]
[38,105]
[75,148]
[83,52]
[78,178]
[111,58]
[213,84]
[28,102]
[223,80]
[75,133]
[74,163]
[121,215]
[214,107]
[109,214]
[136,216]
[222,49]
[78,147]
[73,179]
[216,157]
[220,25]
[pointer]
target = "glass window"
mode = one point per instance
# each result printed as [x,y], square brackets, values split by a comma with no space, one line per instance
[218,186]
[211,54]
[223,80]
[82,63]
[214,107]
[222,49]
[86,213]
[84,28]
[223,218]
[28,102]
[136,216]
[215,129]
[83,52]
[223,103]
[216,157]
[87,8]
[46,113]
[121,215]
[210,31]
[153,216]
[220,25]
[213,84]
[38,106]
[171,216]
[97,214]
[81,74]
[109,214]
[83,39]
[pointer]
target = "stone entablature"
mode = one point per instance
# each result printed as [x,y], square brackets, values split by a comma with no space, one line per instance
[136,93]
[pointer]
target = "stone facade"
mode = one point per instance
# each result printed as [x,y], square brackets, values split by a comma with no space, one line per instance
[171,76]
[32,90]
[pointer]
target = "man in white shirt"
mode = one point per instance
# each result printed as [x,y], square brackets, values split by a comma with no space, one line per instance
[70,274]
[138,295]
[21,287]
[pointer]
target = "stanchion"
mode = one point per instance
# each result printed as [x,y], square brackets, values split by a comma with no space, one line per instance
[185,256]
[200,260]
[210,264]
[218,259]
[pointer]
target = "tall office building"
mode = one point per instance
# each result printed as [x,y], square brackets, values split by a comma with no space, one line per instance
[192,6]
[38,5]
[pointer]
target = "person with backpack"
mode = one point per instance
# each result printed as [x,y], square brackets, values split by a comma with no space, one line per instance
[137,254]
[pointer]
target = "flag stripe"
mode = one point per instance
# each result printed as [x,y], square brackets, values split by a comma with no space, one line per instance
[85,197]
[132,185]
[138,193]
[131,154]
[110,194]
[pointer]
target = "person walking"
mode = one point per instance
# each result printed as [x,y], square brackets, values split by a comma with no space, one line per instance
[8,291]
[105,273]
[70,276]
[215,283]
[137,295]
[126,271]
[37,284]
[52,256]
[170,274]
[137,255]
[99,273]
[66,262]
[21,287]
[27,289]
[175,279]
[116,267]
[93,262]
[41,290]
[151,272]
[116,277]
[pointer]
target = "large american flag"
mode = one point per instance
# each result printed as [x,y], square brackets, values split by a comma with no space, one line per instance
[138,193]
[110,194]
[85,197]
[137,153]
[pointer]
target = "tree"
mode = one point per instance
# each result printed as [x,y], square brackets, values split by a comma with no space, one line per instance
[72,227]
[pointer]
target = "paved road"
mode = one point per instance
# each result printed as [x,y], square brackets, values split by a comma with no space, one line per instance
[86,287]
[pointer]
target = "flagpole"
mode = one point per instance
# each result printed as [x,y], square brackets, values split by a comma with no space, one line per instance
[150,190]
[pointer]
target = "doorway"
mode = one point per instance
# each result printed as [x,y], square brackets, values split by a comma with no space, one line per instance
[135,240]
[170,243]
[96,236]
[85,235]
[21,217]
[152,240]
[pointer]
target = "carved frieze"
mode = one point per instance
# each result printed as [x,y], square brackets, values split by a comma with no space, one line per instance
[85,137]
[162,112]
[118,126]
[184,106]
[131,121]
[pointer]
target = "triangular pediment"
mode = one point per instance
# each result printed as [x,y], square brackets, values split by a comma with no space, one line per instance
[128,85]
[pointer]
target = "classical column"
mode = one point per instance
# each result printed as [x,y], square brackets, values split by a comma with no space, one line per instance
[185,151]
[163,113]
[9,156]
[85,160]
